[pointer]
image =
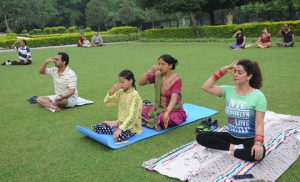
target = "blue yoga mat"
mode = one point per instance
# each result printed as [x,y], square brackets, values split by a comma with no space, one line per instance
[194,113]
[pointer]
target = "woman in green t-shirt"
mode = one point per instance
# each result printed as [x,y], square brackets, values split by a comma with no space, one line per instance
[245,109]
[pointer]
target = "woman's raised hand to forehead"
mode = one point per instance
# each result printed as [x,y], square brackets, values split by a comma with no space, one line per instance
[231,67]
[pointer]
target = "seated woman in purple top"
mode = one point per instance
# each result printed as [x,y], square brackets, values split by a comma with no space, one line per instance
[240,39]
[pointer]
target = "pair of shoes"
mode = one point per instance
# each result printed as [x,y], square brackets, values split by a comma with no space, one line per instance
[214,126]
[32,100]
[204,125]
[4,63]
[207,125]
[8,62]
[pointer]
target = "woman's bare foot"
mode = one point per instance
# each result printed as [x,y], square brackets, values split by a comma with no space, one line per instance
[231,149]
[56,108]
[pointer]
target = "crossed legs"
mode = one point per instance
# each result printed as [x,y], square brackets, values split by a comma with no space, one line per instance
[263,45]
[47,102]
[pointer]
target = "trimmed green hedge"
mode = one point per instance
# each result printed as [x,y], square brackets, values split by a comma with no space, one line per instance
[122,30]
[186,32]
[88,29]
[53,30]
[72,29]
[119,34]
[66,39]
[221,31]
[204,40]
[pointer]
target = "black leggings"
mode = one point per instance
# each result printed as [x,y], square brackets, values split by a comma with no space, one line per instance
[222,141]
[20,62]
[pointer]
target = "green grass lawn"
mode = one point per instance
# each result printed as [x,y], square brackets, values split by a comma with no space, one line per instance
[38,145]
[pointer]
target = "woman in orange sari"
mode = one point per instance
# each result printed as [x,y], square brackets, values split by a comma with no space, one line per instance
[168,110]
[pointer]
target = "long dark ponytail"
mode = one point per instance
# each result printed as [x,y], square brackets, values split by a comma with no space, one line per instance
[252,68]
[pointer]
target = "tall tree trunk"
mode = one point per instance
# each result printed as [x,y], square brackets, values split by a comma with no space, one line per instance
[152,24]
[8,29]
[194,25]
[212,17]
[229,19]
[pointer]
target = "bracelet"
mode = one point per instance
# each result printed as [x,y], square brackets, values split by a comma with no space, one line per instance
[215,76]
[259,138]
[218,74]
[221,72]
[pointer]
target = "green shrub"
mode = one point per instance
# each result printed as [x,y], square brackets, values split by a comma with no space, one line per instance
[65,35]
[47,30]
[66,39]
[53,30]
[221,31]
[185,32]
[36,31]
[211,39]
[88,29]
[120,37]
[72,29]
[11,34]
[6,43]
[24,35]
[122,30]
[24,31]
[61,29]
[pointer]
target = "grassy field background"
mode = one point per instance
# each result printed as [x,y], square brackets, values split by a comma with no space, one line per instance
[37,145]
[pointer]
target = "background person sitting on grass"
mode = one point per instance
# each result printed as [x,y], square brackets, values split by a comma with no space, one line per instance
[168,110]
[288,36]
[86,43]
[65,83]
[245,108]
[24,54]
[80,41]
[97,40]
[264,41]
[240,39]
[129,103]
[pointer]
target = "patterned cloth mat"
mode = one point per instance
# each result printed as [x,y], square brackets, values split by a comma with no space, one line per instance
[193,162]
